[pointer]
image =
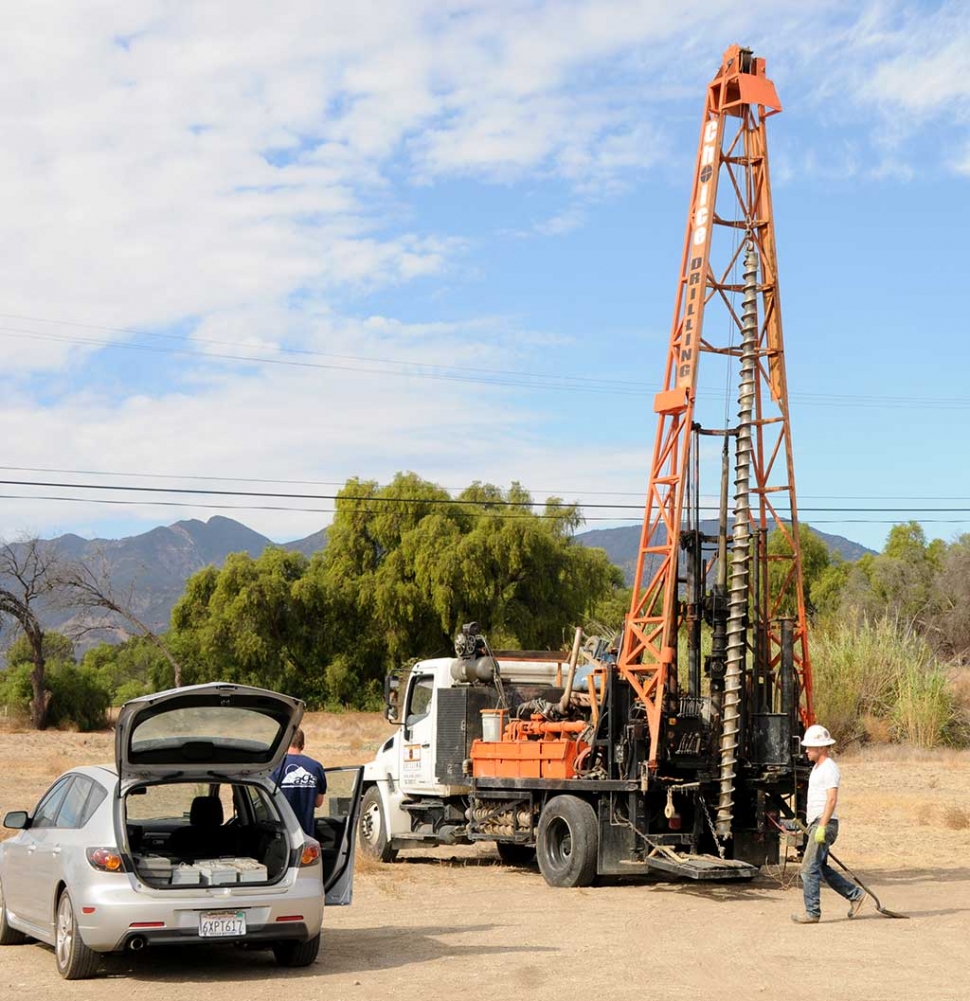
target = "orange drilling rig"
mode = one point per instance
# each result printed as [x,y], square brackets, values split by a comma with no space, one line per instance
[677,750]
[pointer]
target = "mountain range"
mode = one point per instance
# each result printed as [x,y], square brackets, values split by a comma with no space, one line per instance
[622,545]
[150,570]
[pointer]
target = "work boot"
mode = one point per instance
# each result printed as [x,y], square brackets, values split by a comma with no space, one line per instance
[804,919]
[856,905]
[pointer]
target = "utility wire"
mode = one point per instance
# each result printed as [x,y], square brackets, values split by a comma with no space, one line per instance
[340,483]
[618,521]
[432,501]
[502,378]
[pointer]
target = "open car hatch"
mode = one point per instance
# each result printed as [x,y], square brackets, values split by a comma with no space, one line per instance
[201,731]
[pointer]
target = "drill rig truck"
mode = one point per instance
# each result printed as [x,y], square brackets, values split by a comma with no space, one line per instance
[676,751]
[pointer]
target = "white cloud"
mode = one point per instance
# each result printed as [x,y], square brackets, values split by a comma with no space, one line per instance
[238,170]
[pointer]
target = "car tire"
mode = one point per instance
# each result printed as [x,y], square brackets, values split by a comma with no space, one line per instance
[8,935]
[372,828]
[567,842]
[513,854]
[290,953]
[75,961]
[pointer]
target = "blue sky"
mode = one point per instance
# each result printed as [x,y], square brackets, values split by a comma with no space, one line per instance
[490,194]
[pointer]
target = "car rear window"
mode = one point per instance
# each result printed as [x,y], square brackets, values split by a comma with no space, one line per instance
[208,723]
[232,728]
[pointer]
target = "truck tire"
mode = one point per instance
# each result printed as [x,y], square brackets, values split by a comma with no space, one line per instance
[372,828]
[513,854]
[567,841]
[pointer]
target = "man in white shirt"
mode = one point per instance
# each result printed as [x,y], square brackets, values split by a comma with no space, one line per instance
[821,812]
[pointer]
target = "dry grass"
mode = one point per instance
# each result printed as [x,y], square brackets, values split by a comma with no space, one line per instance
[956,818]
[344,738]
[876,729]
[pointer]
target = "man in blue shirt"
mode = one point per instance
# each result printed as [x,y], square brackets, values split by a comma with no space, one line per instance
[302,781]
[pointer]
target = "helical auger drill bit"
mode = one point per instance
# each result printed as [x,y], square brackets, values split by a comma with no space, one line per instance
[740,552]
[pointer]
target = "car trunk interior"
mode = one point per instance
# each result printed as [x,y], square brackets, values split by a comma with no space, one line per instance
[190,834]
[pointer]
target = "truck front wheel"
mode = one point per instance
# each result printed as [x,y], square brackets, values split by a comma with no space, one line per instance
[566,842]
[372,828]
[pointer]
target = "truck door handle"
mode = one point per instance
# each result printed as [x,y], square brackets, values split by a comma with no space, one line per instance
[425,745]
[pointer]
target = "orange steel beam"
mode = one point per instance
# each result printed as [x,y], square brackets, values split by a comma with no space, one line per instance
[741,91]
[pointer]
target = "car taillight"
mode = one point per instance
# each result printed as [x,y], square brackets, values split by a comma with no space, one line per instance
[310,853]
[105,859]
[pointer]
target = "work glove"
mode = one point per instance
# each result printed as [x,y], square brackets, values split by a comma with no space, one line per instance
[820,834]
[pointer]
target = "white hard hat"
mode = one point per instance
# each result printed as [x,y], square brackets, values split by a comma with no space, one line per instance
[817,736]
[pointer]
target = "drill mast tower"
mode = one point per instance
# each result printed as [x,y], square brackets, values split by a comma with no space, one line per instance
[730,226]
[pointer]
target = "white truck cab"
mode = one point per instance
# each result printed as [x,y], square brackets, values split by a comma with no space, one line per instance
[416,787]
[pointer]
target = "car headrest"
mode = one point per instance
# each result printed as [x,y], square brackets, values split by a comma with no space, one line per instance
[206,811]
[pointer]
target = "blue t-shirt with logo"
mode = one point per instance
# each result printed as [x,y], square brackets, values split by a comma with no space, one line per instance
[301,780]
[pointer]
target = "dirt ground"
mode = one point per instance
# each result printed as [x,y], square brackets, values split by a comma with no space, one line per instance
[456,923]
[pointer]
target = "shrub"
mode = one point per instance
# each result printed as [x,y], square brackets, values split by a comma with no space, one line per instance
[78,697]
[15,689]
[130,690]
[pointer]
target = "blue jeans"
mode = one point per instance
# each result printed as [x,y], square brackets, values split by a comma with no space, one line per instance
[815,868]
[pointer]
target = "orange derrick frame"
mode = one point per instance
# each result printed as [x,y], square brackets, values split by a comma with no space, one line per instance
[737,156]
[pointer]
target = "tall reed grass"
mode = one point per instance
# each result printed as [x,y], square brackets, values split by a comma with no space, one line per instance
[882,670]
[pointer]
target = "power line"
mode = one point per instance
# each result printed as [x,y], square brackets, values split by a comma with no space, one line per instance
[340,483]
[418,370]
[503,378]
[189,339]
[433,501]
[209,506]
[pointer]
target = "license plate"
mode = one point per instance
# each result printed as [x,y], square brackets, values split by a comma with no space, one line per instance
[221,924]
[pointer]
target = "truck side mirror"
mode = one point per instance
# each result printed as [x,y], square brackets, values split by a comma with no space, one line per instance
[392,693]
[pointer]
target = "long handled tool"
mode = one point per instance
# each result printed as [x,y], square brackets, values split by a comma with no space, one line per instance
[797,824]
[882,910]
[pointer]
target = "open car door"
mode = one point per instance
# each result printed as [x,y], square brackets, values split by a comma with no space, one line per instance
[336,830]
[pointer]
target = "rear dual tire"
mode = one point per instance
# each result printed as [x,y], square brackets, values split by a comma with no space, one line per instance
[567,842]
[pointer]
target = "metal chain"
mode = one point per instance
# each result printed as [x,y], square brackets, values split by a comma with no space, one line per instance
[710,824]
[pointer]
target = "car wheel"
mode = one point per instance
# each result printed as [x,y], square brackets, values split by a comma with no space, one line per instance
[8,935]
[566,842]
[513,854]
[75,961]
[290,953]
[372,828]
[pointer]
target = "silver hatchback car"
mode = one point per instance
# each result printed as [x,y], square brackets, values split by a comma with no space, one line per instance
[186,839]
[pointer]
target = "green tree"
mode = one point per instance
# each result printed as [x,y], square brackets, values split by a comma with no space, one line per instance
[407,565]
[130,669]
[902,576]
[247,623]
[816,560]
[57,648]
[948,625]
[78,696]
[28,571]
